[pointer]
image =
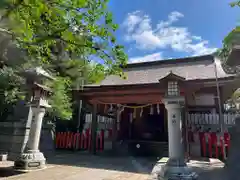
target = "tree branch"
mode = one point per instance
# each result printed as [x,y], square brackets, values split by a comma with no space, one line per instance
[51,3]
[56,36]
[85,45]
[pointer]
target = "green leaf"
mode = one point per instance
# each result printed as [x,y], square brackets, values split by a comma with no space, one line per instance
[61,36]
[108,18]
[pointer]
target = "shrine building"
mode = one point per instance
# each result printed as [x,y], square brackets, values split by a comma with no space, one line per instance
[151,104]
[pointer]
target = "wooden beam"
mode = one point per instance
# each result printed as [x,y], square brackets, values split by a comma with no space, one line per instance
[144,99]
[125,92]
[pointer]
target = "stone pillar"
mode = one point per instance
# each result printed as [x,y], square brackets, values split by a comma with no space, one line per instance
[175,167]
[175,131]
[36,127]
[33,158]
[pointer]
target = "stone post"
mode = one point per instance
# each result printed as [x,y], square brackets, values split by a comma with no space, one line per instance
[33,158]
[35,133]
[175,167]
[175,131]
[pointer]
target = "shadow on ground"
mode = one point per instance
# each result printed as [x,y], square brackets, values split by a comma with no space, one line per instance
[131,164]
[7,172]
[107,162]
[124,164]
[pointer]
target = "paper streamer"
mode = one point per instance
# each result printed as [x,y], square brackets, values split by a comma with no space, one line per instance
[131,117]
[141,112]
[151,110]
[158,109]
[111,108]
[105,108]
[134,113]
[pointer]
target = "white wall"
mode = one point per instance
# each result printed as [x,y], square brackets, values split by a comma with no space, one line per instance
[201,100]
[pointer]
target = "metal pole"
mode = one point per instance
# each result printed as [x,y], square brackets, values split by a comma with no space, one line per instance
[80,106]
[221,119]
[80,102]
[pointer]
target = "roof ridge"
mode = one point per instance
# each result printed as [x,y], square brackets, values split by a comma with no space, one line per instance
[171,61]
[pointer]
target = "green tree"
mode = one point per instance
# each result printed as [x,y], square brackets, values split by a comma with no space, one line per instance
[78,27]
[225,50]
[63,37]
[9,91]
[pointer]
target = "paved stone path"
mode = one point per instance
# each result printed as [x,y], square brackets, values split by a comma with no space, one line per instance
[79,166]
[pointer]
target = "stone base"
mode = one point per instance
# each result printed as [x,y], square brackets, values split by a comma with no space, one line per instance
[3,156]
[172,169]
[30,161]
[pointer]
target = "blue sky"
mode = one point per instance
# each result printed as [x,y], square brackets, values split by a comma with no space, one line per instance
[162,29]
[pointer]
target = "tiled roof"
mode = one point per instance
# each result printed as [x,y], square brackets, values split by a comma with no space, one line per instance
[194,68]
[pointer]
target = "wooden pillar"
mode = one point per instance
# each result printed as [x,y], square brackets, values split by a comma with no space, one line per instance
[187,143]
[221,99]
[94,129]
[185,129]
[115,131]
[115,127]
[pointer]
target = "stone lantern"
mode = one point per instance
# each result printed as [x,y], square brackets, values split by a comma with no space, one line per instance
[32,158]
[175,167]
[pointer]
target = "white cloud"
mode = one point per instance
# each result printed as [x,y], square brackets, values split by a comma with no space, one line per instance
[197,38]
[132,20]
[150,57]
[164,35]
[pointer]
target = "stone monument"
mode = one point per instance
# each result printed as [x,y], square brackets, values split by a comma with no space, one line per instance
[174,167]
[31,157]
